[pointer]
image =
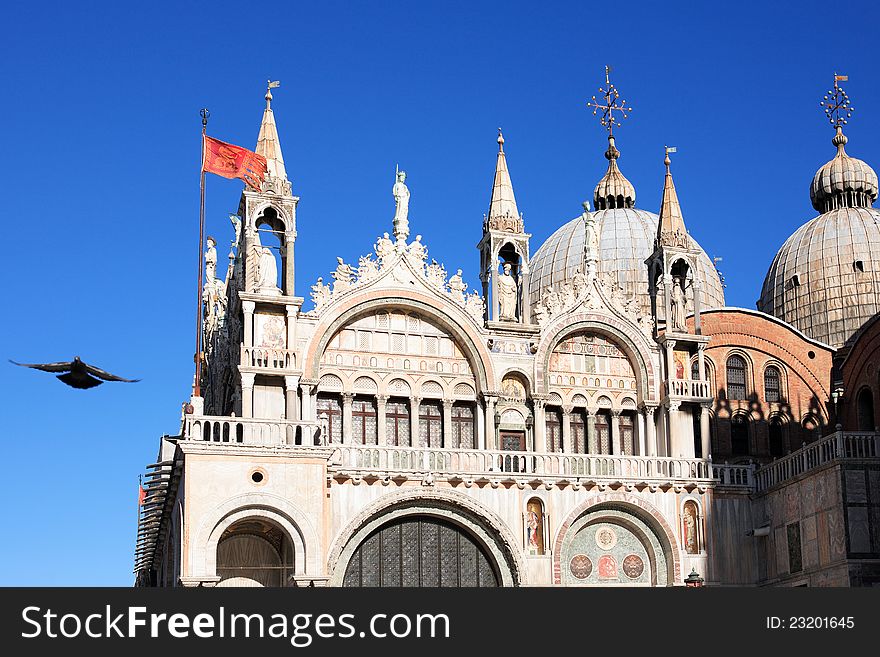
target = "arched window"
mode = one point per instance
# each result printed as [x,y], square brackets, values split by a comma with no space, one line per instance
[695,370]
[772,384]
[553,422]
[363,421]
[463,425]
[866,410]
[739,435]
[330,406]
[736,378]
[578,426]
[397,423]
[777,443]
[430,424]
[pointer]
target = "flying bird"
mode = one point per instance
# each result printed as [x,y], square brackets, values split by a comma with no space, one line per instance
[77,374]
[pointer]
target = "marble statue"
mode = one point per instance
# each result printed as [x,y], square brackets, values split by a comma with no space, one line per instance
[236,225]
[211,260]
[417,250]
[436,275]
[678,306]
[457,287]
[267,271]
[473,306]
[367,270]
[506,294]
[320,293]
[591,233]
[342,276]
[401,212]
[384,249]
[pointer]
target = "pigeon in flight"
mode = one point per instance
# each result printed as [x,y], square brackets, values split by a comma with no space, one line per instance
[77,374]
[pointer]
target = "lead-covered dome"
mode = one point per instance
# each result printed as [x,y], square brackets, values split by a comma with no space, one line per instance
[825,279]
[626,239]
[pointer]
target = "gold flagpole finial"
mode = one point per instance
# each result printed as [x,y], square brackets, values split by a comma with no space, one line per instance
[609,104]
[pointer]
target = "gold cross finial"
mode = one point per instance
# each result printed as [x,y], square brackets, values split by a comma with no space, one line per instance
[609,105]
[836,103]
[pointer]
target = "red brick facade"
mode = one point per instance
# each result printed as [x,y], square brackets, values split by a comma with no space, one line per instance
[857,367]
[748,426]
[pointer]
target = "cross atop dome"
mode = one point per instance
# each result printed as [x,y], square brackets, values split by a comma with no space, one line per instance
[838,107]
[610,105]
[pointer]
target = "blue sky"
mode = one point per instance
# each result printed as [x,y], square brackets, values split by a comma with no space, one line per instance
[101,142]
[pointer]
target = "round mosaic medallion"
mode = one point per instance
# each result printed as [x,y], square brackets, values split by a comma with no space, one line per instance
[606,538]
[633,566]
[581,566]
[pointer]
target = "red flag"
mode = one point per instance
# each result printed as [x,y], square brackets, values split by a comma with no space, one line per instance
[233,162]
[141,493]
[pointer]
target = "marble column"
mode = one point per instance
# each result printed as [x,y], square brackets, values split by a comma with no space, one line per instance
[540,429]
[247,307]
[525,302]
[701,360]
[480,442]
[287,285]
[381,422]
[615,433]
[494,275]
[247,395]
[291,330]
[347,399]
[566,431]
[592,447]
[490,422]
[291,406]
[651,431]
[414,405]
[705,432]
[674,429]
[640,420]
[305,395]
[447,423]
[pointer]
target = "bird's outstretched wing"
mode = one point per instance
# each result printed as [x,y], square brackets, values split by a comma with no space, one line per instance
[101,374]
[46,367]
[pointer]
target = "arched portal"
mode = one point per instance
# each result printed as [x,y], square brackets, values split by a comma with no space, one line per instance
[420,551]
[254,552]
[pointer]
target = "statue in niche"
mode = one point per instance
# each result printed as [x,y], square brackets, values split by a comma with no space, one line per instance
[342,276]
[691,542]
[267,271]
[535,527]
[679,302]
[416,250]
[506,294]
[457,287]
[384,249]
[211,260]
[320,293]
[401,211]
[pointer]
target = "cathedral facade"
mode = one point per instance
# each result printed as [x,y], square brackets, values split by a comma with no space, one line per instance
[593,415]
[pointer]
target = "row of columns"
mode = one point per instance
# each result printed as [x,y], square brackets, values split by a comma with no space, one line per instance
[646,434]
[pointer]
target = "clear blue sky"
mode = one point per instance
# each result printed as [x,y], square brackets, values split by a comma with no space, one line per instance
[100,169]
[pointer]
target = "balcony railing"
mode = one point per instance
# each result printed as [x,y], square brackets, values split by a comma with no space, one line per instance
[687,388]
[252,431]
[734,475]
[265,357]
[838,445]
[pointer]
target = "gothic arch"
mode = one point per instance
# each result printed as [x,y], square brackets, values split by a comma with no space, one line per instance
[633,505]
[455,322]
[636,347]
[295,524]
[479,521]
[259,213]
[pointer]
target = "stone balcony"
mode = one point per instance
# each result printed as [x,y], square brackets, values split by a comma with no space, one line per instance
[480,466]
[687,390]
[266,358]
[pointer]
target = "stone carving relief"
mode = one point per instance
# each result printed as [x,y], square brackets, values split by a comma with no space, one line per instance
[401,259]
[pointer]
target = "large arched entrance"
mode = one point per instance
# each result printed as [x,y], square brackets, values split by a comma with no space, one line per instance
[254,552]
[420,551]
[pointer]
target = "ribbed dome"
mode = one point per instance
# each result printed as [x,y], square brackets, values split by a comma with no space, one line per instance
[626,239]
[826,277]
[613,190]
[844,181]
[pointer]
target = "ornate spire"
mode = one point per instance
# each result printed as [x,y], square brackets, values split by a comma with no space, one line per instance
[613,190]
[267,142]
[670,227]
[503,213]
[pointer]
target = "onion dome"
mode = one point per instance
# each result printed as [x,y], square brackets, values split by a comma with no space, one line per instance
[844,182]
[613,190]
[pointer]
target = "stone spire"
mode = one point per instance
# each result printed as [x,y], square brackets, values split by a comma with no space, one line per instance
[503,213]
[670,227]
[267,143]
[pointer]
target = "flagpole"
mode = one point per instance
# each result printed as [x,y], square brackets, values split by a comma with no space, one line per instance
[197,386]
